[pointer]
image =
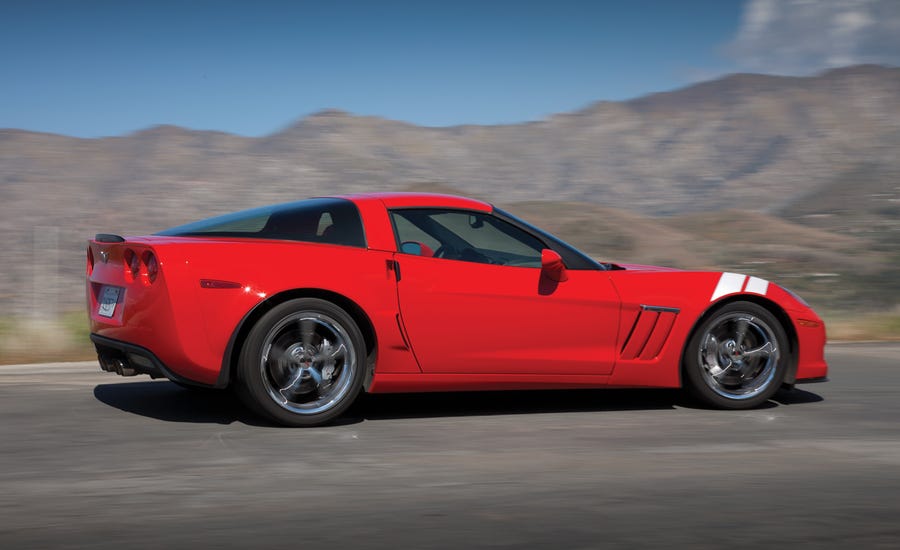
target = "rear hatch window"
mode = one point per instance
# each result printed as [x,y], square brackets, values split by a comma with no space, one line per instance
[325,220]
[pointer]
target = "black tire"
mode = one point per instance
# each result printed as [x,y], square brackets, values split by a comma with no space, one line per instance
[730,371]
[292,369]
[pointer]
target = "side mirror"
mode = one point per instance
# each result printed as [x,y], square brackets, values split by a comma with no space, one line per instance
[411,247]
[416,248]
[552,266]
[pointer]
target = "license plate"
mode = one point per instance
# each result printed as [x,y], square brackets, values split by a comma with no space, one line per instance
[109,297]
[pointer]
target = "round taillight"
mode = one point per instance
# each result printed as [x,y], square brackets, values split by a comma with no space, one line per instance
[152,266]
[132,265]
[90,261]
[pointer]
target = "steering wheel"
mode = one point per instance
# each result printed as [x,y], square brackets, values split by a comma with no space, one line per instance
[446,251]
[472,255]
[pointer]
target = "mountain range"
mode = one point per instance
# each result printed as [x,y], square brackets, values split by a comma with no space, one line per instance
[796,176]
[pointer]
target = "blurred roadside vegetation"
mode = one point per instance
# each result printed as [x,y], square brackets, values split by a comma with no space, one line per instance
[65,338]
[849,274]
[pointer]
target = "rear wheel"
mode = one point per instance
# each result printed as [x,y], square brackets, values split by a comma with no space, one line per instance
[302,363]
[737,358]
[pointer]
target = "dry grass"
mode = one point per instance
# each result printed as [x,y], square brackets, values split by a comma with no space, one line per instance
[880,326]
[44,340]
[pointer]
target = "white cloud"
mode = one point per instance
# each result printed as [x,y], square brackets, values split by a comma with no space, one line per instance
[805,36]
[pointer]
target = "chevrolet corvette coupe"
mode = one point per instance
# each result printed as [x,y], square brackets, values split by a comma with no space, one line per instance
[301,306]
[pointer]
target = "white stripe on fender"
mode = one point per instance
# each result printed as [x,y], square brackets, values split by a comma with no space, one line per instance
[729,283]
[757,286]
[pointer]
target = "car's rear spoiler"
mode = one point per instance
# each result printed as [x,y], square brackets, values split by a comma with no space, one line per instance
[108,238]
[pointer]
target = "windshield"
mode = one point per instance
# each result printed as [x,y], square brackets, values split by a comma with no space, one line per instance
[573,258]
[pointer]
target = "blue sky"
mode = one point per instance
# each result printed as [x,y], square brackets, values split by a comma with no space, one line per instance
[94,68]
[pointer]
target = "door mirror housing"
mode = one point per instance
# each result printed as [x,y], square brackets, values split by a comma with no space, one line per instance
[411,247]
[552,266]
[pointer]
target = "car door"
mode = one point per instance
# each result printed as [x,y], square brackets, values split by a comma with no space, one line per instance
[473,300]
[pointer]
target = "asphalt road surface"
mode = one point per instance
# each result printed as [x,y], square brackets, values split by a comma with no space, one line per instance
[90,459]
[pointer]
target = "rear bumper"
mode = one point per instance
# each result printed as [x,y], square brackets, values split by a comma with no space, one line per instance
[130,360]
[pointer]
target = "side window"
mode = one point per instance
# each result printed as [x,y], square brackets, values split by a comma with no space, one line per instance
[407,232]
[466,236]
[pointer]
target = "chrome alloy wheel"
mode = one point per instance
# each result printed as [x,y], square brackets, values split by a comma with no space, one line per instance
[308,361]
[739,356]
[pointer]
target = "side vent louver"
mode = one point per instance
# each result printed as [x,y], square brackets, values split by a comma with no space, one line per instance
[649,333]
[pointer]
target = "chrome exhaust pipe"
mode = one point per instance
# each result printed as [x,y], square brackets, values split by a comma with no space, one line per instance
[123,369]
[105,364]
[116,366]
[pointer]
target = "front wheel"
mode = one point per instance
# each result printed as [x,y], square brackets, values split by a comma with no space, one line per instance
[737,358]
[302,363]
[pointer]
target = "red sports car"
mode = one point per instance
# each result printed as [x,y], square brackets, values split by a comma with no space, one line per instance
[302,306]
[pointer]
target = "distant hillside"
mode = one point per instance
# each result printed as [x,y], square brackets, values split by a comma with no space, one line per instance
[800,174]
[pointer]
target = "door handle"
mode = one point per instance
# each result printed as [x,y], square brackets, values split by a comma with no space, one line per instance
[394,265]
